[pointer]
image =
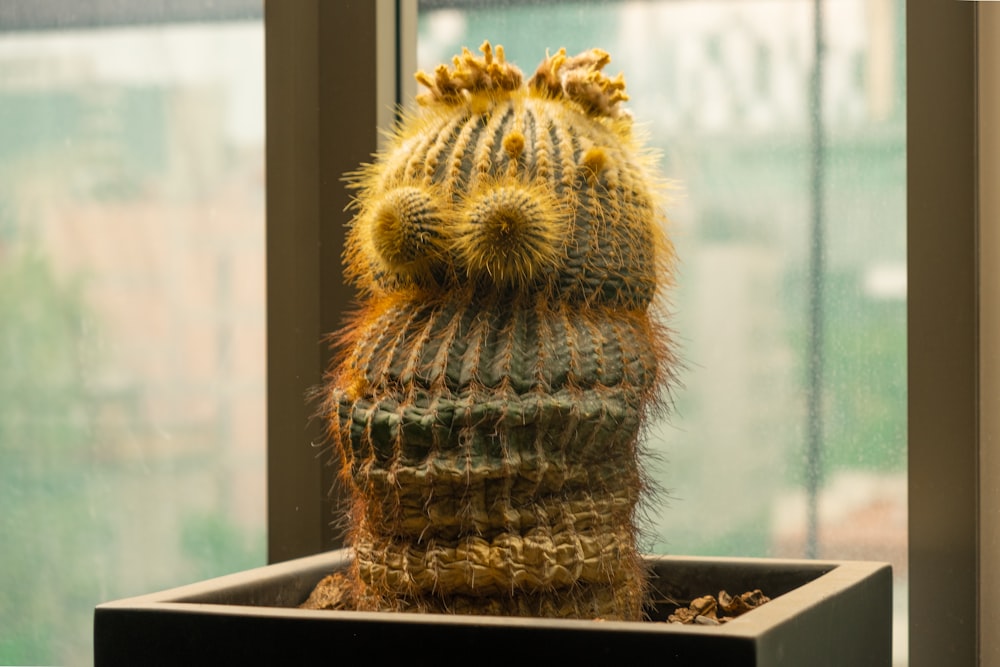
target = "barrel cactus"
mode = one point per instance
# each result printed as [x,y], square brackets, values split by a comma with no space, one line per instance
[489,394]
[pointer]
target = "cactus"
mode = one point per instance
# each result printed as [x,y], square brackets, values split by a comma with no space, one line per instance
[488,398]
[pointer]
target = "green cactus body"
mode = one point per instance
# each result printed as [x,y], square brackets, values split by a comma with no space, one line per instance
[488,400]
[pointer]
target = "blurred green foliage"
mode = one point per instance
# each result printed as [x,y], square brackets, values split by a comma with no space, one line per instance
[44,434]
[215,545]
[58,494]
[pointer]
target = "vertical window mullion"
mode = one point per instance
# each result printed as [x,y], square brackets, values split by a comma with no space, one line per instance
[328,67]
[942,332]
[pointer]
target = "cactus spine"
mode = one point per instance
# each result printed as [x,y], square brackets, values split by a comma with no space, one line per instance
[489,395]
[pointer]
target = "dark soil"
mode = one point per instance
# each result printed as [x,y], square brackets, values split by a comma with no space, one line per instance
[335,592]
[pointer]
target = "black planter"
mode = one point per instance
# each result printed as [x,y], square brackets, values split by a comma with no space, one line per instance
[824,613]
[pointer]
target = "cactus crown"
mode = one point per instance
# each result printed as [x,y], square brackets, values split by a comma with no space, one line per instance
[498,184]
[578,79]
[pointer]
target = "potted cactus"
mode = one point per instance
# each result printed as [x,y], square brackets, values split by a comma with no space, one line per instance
[487,406]
[488,400]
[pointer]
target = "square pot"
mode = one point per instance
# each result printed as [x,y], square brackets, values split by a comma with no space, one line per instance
[822,613]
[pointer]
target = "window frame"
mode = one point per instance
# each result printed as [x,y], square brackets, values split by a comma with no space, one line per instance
[312,139]
[39,15]
[945,439]
[316,55]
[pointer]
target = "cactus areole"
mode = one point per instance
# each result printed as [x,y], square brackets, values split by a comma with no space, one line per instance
[488,396]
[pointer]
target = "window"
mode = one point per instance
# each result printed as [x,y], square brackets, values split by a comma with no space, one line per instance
[788,436]
[132,344]
[945,434]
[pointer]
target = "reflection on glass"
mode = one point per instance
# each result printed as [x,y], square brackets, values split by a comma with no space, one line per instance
[723,90]
[131,321]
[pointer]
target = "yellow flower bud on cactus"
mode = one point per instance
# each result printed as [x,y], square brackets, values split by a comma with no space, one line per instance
[488,399]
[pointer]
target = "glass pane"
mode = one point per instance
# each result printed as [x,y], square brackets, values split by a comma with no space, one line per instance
[131,320]
[723,90]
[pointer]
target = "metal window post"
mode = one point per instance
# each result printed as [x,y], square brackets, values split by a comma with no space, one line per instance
[942,258]
[332,75]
